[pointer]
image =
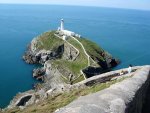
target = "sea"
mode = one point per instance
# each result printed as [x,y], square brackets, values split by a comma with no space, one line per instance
[125,33]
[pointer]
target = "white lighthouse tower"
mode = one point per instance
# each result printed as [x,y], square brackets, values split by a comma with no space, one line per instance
[65,33]
[62,25]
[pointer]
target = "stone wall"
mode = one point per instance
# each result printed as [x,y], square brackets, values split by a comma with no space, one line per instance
[124,97]
[102,78]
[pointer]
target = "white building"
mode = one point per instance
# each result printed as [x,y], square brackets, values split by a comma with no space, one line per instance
[62,25]
[66,33]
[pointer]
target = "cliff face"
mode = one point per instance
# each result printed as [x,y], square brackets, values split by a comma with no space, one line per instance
[67,61]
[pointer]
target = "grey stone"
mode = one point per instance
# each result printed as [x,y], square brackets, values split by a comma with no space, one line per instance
[123,97]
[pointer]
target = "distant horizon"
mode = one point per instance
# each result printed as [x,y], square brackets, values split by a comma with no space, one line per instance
[74,5]
[123,4]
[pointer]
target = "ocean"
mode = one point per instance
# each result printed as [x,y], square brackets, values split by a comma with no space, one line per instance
[122,32]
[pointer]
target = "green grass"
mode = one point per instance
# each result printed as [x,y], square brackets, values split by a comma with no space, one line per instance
[73,66]
[81,77]
[60,100]
[48,41]
[92,48]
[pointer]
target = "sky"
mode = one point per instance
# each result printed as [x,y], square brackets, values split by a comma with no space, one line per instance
[129,4]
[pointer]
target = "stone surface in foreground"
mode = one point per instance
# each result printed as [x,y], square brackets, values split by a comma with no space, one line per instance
[124,97]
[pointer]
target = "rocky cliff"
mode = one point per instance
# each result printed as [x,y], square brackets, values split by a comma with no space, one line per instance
[65,61]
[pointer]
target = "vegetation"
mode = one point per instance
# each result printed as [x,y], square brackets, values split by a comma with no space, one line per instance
[74,66]
[81,77]
[48,41]
[92,49]
[60,100]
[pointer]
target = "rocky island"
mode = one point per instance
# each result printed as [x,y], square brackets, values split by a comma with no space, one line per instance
[66,59]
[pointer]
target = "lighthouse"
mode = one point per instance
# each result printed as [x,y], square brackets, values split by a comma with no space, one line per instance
[62,25]
[65,33]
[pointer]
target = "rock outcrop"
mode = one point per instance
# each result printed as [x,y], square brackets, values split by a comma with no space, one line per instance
[39,74]
[41,56]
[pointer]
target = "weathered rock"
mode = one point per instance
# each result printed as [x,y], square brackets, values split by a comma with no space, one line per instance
[70,53]
[41,56]
[53,76]
[33,55]
[125,97]
[30,58]
[39,73]
[111,62]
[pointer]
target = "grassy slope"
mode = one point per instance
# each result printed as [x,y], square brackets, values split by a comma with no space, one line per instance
[92,48]
[75,66]
[60,100]
[48,41]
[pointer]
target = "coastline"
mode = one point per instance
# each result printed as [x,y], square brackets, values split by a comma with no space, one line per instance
[24,74]
[40,88]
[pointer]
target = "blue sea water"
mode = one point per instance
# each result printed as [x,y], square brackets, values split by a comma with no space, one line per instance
[123,33]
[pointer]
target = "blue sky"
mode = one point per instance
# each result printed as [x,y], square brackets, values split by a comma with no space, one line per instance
[131,4]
